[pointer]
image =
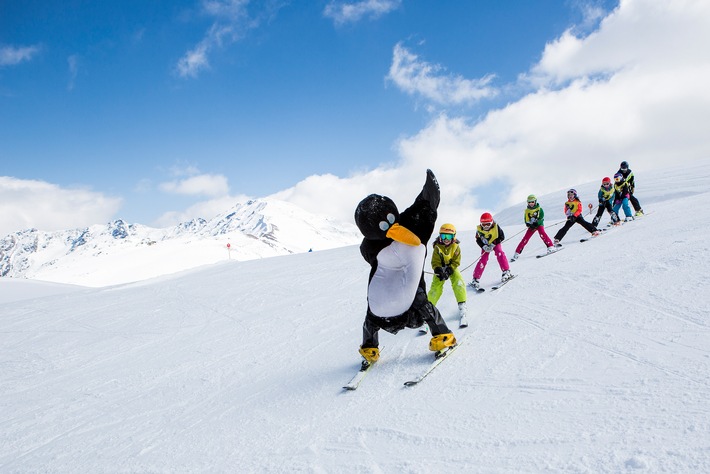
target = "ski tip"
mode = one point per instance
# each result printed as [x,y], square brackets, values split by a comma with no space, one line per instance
[411,383]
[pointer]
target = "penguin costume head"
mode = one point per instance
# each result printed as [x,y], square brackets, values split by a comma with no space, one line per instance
[377,218]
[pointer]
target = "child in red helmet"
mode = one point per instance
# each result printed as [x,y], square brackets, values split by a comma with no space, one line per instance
[445,260]
[573,211]
[489,236]
[606,202]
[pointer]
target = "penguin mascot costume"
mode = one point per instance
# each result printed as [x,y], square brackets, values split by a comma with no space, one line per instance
[395,247]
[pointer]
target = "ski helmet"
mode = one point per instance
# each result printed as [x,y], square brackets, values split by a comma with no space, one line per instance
[573,192]
[447,229]
[606,181]
[486,218]
[532,198]
[618,177]
[624,165]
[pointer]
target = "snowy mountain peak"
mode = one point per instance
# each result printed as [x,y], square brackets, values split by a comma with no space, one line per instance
[119,252]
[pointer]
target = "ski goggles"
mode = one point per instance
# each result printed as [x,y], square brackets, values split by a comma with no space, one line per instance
[446,236]
[532,203]
[486,225]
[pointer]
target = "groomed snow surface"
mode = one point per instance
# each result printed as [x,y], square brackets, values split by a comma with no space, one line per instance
[595,359]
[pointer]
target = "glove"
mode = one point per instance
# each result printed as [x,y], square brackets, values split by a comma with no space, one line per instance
[533,221]
[488,247]
[448,271]
[440,272]
[571,218]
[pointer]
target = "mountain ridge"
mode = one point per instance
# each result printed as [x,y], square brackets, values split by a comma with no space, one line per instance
[258,228]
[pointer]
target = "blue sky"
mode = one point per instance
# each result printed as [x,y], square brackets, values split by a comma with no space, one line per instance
[157,112]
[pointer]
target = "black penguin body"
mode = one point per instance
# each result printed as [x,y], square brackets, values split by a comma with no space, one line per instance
[395,247]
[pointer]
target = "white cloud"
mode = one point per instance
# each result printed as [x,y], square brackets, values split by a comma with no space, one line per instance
[231,20]
[37,204]
[343,12]
[73,63]
[634,89]
[194,61]
[417,77]
[12,55]
[204,184]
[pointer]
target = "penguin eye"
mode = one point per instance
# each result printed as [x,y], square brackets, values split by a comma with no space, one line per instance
[384,225]
[390,218]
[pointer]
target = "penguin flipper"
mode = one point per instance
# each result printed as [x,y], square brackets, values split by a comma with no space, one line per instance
[421,216]
[430,191]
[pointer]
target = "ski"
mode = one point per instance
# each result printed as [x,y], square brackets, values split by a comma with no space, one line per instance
[355,381]
[501,284]
[473,288]
[438,360]
[557,249]
[360,375]
[601,232]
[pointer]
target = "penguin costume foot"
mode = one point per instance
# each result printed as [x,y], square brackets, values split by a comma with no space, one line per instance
[441,342]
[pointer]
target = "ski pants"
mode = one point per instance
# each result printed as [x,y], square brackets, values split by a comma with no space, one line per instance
[625,204]
[420,312]
[634,202]
[605,206]
[528,233]
[457,284]
[572,221]
[483,261]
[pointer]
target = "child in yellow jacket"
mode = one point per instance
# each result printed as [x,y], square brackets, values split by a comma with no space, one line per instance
[445,260]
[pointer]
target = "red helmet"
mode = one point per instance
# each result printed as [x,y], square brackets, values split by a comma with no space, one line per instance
[486,218]
[606,180]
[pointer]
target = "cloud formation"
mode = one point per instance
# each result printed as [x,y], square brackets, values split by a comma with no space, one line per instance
[231,21]
[419,78]
[634,89]
[13,55]
[37,204]
[200,185]
[344,12]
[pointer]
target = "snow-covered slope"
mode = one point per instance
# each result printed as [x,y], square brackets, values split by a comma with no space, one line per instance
[596,359]
[119,252]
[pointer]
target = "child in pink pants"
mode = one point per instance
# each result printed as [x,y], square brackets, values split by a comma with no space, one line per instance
[489,236]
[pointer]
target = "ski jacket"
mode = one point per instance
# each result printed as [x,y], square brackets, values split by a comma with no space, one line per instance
[573,208]
[534,217]
[621,191]
[446,254]
[628,177]
[605,195]
[494,235]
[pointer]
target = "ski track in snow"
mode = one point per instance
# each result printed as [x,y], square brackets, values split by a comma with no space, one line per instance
[593,360]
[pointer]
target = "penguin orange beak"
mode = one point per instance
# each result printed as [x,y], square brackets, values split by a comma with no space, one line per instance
[403,235]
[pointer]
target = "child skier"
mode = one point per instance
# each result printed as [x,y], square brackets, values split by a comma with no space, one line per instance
[621,196]
[573,211]
[630,181]
[534,218]
[445,261]
[606,200]
[489,236]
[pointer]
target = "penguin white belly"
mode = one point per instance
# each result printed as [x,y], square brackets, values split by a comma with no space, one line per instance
[394,284]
